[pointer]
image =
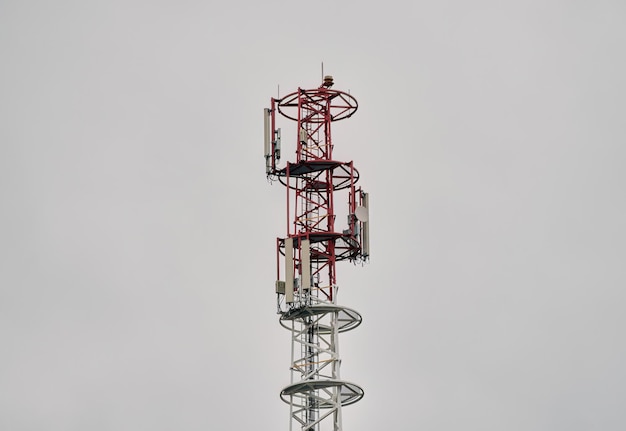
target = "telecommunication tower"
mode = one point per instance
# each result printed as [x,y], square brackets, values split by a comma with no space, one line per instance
[306,258]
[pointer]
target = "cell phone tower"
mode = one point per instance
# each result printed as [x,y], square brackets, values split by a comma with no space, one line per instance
[306,258]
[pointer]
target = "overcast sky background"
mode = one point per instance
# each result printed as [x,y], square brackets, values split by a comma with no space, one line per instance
[137,229]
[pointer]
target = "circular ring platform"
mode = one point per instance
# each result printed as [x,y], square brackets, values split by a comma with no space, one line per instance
[323,391]
[312,170]
[318,103]
[347,318]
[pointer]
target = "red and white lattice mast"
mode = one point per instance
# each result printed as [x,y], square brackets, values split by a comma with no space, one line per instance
[307,256]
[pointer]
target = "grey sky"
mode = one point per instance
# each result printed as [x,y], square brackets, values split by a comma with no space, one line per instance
[137,229]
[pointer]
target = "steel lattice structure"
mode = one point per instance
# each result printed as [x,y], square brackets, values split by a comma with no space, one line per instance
[306,257]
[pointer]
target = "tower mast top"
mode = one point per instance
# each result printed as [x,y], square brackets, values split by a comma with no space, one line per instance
[306,286]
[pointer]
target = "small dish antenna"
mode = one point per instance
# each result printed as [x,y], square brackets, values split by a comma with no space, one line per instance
[362,213]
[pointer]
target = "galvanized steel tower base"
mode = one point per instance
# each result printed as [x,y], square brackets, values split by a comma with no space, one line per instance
[306,257]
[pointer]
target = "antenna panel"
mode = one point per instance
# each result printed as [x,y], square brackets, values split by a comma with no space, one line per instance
[365,233]
[267,136]
[266,141]
[289,273]
[305,259]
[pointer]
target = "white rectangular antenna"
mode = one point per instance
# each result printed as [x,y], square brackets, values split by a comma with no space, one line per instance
[267,137]
[365,233]
[266,141]
[303,136]
[289,275]
[305,263]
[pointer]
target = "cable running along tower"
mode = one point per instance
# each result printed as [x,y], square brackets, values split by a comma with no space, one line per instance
[306,258]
